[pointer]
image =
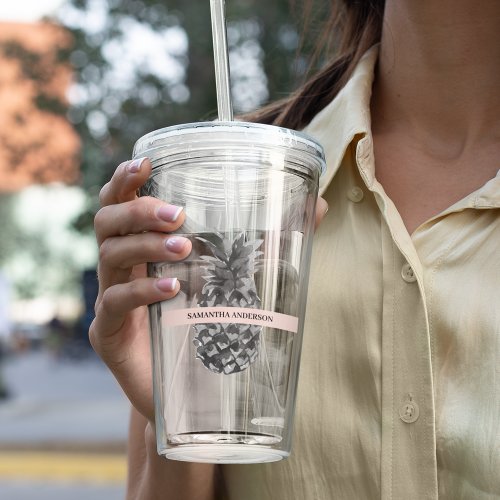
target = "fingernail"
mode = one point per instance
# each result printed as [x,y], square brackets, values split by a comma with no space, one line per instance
[176,244]
[166,284]
[169,213]
[135,165]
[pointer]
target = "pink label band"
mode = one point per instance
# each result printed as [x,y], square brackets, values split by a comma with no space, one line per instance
[243,315]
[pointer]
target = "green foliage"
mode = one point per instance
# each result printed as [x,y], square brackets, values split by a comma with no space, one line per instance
[18,242]
[113,107]
[7,245]
[39,254]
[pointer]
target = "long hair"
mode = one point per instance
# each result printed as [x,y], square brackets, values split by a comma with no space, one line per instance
[352,28]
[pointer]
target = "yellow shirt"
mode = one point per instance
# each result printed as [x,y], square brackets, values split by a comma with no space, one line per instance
[399,391]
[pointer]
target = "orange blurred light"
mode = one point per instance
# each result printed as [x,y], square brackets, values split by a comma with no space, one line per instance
[36,146]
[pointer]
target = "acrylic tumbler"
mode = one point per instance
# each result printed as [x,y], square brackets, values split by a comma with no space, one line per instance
[226,349]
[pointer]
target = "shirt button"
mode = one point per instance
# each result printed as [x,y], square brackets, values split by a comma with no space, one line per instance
[355,194]
[409,412]
[407,274]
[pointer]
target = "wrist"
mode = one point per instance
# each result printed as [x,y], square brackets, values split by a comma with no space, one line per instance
[150,437]
[171,479]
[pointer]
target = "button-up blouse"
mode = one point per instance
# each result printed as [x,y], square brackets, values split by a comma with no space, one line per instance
[399,390]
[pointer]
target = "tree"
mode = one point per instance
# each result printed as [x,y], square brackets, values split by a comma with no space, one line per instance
[138,65]
[141,65]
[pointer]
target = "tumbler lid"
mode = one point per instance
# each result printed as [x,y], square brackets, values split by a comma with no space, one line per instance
[299,147]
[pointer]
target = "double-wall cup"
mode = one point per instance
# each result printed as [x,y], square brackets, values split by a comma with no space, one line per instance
[226,349]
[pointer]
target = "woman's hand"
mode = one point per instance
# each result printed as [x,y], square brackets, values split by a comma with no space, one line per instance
[131,231]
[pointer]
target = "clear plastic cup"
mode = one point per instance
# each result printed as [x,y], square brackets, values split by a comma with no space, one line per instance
[226,349]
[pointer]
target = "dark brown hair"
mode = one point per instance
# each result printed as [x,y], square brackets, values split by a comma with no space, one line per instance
[352,28]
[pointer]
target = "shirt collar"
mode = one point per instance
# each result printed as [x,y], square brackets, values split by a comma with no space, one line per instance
[489,195]
[346,117]
[337,125]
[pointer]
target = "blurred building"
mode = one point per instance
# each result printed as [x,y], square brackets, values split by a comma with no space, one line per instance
[37,143]
[38,146]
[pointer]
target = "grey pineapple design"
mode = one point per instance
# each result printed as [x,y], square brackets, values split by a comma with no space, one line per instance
[229,347]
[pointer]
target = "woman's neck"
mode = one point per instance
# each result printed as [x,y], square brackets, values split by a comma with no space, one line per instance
[438,75]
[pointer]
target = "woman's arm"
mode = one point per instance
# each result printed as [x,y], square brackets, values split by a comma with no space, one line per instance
[131,231]
[151,477]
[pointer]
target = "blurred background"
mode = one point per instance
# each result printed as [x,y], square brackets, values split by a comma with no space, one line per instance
[80,81]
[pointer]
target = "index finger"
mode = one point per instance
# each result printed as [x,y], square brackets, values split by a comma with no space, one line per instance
[127,178]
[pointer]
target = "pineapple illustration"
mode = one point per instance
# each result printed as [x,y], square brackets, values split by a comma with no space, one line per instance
[229,347]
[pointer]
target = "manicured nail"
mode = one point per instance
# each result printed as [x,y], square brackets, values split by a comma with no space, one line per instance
[169,213]
[166,284]
[176,243]
[135,165]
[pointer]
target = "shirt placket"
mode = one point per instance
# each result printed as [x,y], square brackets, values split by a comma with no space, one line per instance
[408,454]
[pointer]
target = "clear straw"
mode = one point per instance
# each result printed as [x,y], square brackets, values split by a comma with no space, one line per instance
[221,58]
[225,110]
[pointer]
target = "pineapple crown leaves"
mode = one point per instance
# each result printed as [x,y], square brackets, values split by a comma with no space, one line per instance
[217,247]
[235,258]
[230,269]
[240,248]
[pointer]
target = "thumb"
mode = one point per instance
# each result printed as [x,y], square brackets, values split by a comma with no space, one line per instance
[321,210]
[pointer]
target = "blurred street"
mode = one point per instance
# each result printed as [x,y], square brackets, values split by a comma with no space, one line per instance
[62,430]
[57,401]
[29,490]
